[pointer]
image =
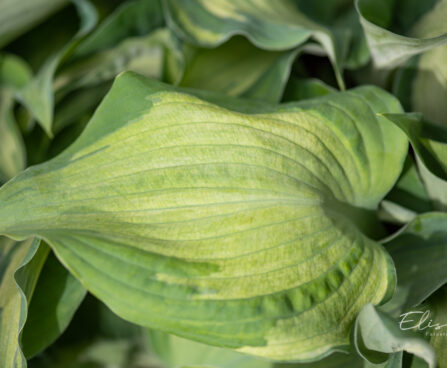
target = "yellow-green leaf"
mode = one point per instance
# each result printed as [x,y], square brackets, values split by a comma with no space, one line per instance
[233,229]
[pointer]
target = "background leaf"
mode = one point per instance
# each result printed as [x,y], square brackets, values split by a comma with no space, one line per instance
[37,96]
[418,18]
[272,27]
[304,88]
[56,298]
[436,307]
[19,269]
[408,197]
[17,17]
[14,74]
[237,68]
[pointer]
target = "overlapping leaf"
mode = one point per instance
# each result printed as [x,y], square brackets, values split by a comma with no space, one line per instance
[56,298]
[237,68]
[14,74]
[21,265]
[408,197]
[379,338]
[232,229]
[434,309]
[397,30]
[430,144]
[419,252]
[271,26]
[37,95]
[304,88]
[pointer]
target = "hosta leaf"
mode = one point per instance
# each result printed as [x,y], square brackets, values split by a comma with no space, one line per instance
[145,55]
[14,74]
[232,229]
[419,26]
[419,252]
[422,82]
[74,106]
[430,143]
[238,68]
[408,197]
[16,17]
[436,187]
[378,338]
[271,26]
[12,151]
[37,95]
[131,19]
[55,300]
[304,88]
[20,266]
[358,53]
[35,289]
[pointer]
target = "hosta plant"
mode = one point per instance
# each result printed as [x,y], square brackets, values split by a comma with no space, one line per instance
[222,184]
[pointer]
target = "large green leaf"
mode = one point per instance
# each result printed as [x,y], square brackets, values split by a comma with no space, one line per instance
[238,68]
[417,26]
[231,229]
[37,95]
[17,17]
[20,266]
[269,25]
